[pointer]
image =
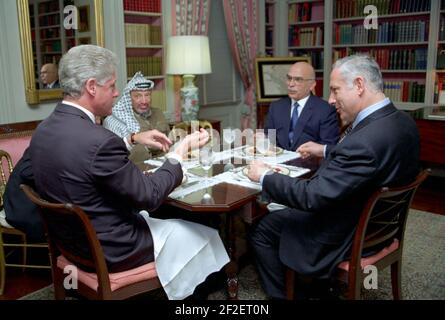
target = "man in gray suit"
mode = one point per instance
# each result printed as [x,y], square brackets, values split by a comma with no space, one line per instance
[75,160]
[315,232]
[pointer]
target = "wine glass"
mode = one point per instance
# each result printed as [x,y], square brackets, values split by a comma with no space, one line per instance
[229,138]
[206,160]
[262,145]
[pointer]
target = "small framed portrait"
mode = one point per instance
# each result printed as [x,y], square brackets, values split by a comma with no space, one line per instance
[84,40]
[84,19]
[271,77]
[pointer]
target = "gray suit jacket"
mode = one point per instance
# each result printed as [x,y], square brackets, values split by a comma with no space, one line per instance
[77,161]
[382,150]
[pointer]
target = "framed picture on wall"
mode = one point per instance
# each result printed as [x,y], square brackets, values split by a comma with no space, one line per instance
[84,19]
[271,77]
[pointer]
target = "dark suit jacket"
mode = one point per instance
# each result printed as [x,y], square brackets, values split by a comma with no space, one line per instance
[77,161]
[317,122]
[382,150]
[56,85]
[20,212]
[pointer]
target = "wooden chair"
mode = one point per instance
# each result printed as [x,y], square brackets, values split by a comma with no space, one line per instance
[381,224]
[6,164]
[65,222]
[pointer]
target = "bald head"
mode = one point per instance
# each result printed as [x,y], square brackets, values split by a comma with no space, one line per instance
[48,73]
[300,80]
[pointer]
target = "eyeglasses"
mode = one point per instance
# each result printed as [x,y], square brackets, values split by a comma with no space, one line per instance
[297,79]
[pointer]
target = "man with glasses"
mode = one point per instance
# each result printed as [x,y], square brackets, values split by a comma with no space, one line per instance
[301,116]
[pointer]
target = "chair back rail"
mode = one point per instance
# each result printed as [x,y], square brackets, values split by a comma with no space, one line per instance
[382,220]
[5,170]
[63,222]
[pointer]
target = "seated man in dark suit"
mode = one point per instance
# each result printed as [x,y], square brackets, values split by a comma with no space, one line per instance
[49,76]
[20,212]
[315,232]
[301,116]
[75,160]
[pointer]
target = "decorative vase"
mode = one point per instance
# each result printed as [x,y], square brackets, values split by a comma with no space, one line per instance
[189,99]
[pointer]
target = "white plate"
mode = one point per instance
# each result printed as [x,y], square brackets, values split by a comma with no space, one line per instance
[276,169]
[251,151]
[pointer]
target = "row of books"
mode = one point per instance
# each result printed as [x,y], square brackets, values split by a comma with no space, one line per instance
[404,91]
[150,66]
[387,32]
[138,34]
[439,89]
[269,37]
[51,59]
[442,28]
[269,13]
[392,59]
[48,6]
[51,46]
[355,8]
[309,36]
[49,20]
[50,33]
[316,56]
[308,11]
[142,5]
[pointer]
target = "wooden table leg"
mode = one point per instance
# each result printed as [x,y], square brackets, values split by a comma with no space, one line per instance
[231,268]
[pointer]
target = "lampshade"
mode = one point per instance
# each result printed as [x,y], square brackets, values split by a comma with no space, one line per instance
[188,55]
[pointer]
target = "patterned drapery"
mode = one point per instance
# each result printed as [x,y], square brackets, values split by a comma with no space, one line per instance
[189,17]
[241,23]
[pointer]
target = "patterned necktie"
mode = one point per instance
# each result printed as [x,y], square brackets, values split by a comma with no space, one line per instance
[293,122]
[345,133]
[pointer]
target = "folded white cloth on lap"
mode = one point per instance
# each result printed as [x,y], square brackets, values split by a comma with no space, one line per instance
[185,254]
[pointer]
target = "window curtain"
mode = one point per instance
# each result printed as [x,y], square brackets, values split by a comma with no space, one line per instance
[189,17]
[241,23]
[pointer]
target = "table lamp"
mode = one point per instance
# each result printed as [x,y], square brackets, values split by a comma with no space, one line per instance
[188,56]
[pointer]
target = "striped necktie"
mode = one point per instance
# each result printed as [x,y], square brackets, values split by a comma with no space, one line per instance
[293,122]
[345,133]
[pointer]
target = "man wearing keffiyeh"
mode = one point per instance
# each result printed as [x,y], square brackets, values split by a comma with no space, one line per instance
[133,113]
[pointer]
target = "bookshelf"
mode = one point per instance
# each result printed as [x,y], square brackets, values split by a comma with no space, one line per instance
[306,35]
[407,44]
[439,75]
[270,38]
[399,44]
[144,43]
[49,38]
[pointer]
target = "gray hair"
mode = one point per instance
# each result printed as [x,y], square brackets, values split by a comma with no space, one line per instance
[360,65]
[83,62]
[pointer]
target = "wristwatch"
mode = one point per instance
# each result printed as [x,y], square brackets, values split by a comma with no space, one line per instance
[133,142]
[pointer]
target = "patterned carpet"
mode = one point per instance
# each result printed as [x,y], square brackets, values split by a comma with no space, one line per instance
[423,268]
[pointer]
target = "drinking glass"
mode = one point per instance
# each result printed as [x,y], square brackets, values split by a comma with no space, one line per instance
[206,160]
[262,145]
[229,138]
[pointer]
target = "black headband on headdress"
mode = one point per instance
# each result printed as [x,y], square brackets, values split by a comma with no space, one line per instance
[143,85]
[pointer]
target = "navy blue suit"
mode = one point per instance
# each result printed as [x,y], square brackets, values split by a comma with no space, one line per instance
[77,161]
[315,233]
[20,212]
[317,122]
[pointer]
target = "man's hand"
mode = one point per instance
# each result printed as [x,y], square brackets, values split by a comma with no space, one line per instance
[311,149]
[256,169]
[153,139]
[192,141]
